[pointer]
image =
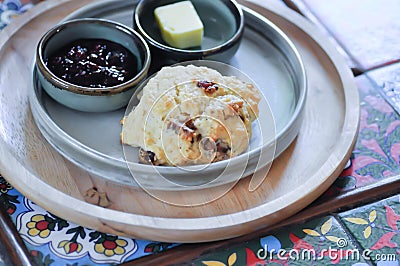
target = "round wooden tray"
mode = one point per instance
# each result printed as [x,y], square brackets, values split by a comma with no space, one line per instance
[302,173]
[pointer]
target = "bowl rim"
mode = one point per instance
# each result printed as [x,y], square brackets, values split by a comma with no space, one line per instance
[199,52]
[65,85]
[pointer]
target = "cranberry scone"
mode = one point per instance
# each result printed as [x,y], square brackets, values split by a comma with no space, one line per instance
[190,115]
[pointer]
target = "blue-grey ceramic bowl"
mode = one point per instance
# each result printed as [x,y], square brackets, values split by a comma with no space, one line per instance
[89,99]
[223,22]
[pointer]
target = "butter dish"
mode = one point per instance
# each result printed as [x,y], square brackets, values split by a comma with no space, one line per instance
[223,23]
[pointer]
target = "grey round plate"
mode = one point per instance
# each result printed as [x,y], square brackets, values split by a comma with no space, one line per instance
[91,140]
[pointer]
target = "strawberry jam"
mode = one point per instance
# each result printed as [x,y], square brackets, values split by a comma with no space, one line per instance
[93,63]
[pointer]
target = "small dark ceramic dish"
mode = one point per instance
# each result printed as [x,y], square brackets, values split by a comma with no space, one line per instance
[223,22]
[89,99]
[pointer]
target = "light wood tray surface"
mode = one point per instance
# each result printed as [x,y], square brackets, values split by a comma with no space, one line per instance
[302,173]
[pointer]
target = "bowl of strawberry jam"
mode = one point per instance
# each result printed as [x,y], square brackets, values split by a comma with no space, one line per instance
[92,65]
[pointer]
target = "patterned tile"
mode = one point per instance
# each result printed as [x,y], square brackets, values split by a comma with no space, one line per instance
[319,242]
[55,241]
[387,81]
[376,229]
[377,150]
[367,29]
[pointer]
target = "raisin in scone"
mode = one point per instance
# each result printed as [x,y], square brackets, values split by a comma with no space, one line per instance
[191,115]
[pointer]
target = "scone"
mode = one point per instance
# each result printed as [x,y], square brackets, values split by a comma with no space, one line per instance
[191,115]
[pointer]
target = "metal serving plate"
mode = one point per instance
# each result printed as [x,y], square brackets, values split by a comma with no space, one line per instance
[91,140]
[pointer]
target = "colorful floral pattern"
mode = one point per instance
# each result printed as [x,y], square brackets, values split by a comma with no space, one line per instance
[369,223]
[231,261]
[324,241]
[320,242]
[70,246]
[157,247]
[377,151]
[40,259]
[109,245]
[8,201]
[71,241]
[39,225]
[4,186]
[376,227]
[52,239]
[323,233]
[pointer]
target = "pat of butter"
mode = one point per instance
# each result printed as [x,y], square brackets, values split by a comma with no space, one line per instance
[180,25]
